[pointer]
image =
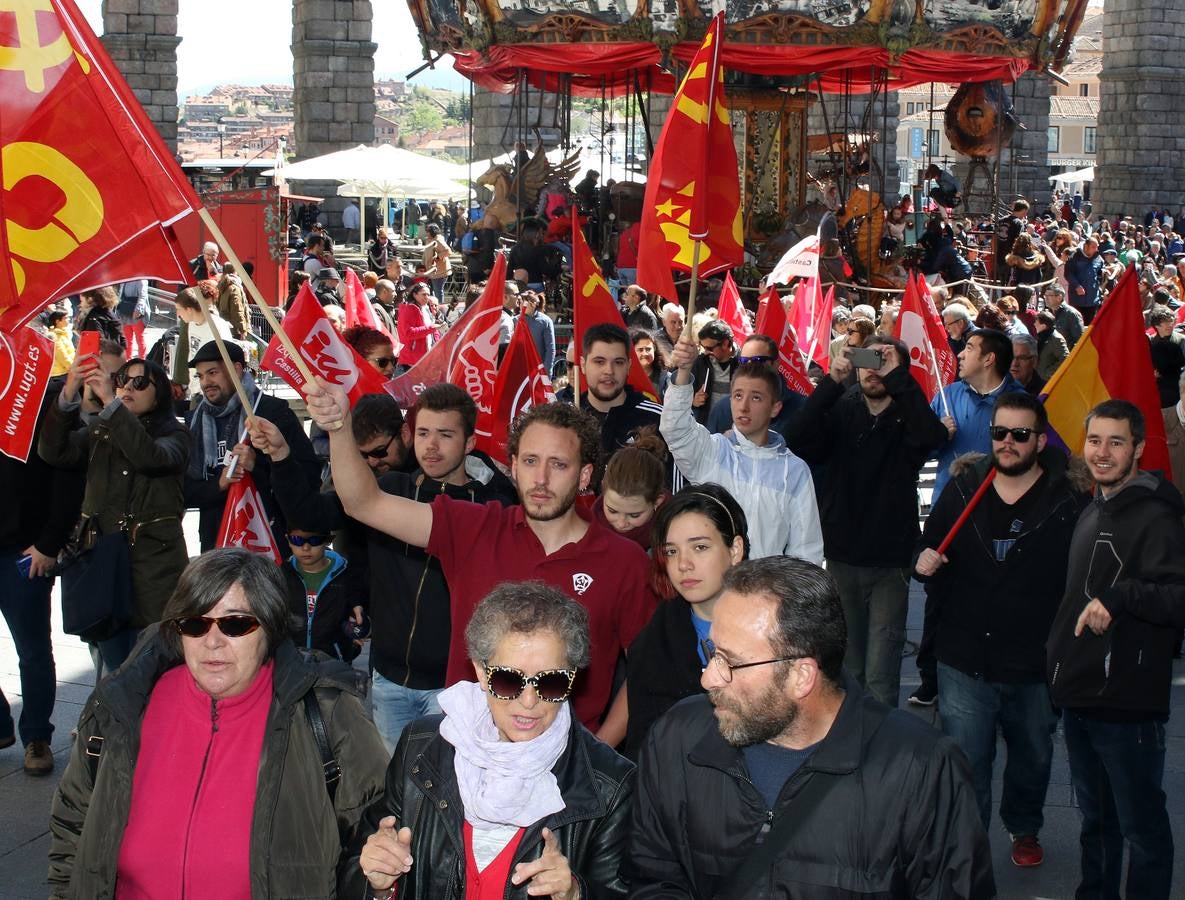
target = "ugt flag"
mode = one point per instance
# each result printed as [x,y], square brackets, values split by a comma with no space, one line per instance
[732,311]
[244,521]
[931,362]
[26,359]
[792,365]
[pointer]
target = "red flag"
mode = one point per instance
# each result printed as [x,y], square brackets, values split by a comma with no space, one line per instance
[791,363]
[26,359]
[521,384]
[326,353]
[693,191]
[810,315]
[918,324]
[89,186]
[244,521]
[732,311]
[467,355]
[592,304]
[358,308]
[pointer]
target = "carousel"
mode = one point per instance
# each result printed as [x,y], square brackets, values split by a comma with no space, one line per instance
[808,83]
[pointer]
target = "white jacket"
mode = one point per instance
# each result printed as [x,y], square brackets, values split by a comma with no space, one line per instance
[772,485]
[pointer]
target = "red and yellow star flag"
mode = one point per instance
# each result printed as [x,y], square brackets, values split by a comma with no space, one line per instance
[592,304]
[89,186]
[1110,362]
[693,191]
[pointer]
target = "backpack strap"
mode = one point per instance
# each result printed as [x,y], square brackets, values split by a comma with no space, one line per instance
[329,764]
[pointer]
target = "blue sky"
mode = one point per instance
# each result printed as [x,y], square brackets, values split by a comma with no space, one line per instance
[251,42]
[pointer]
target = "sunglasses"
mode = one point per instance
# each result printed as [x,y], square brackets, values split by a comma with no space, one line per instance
[377,452]
[1020,435]
[136,382]
[234,626]
[552,686]
[708,348]
[383,361]
[760,358]
[316,540]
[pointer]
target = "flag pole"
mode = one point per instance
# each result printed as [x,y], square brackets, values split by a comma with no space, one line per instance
[256,297]
[938,381]
[573,211]
[692,292]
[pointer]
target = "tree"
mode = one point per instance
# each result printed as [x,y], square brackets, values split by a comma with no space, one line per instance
[459,109]
[423,117]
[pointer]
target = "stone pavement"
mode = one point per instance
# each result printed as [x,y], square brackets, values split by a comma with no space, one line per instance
[25,801]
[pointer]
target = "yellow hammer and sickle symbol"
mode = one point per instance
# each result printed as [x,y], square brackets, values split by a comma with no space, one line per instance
[591,283]
[76,221]
[30,55]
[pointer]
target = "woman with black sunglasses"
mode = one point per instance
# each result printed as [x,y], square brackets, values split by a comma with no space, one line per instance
[134,453]
[200,767]
[507,792]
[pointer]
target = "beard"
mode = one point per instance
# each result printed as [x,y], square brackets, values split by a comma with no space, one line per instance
[1023,464]
[551,510]
[594,389]
[874,391]
[768,716]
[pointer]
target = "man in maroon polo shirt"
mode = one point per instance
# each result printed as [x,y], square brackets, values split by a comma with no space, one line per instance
[552,450]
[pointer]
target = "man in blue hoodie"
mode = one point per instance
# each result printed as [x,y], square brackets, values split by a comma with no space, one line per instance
[1082,278]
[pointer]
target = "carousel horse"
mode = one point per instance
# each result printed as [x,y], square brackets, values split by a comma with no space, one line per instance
[516,190]
[810,218]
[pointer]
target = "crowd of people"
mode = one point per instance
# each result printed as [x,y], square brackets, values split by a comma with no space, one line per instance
[658,655]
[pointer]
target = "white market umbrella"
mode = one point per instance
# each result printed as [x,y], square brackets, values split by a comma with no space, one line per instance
[1077,177]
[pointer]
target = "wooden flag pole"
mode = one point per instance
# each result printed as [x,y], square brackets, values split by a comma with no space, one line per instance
[256,296]
[573,211]
[694,288]
[210,314]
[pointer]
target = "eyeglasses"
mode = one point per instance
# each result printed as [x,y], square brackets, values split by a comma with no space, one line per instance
[725,668]
[1024,356]
[759,358]
[378,452]
[708,348]
[552,685]
[1020,435]
[298,540]
[136,382]
[382,361]
[234,626]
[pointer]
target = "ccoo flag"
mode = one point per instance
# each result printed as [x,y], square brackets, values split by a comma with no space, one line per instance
[931,362]
[693,191]
[521,384]
[1110,362]
[89,186]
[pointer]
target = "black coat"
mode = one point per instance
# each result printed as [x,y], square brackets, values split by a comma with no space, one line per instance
[1126,552]
[335,603]
[596,785]
[868,487]
[899,821]
[663,667]
[701,373]
[619,426]
[994,617]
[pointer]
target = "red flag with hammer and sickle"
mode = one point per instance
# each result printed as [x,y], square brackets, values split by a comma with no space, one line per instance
[325,351]
[693,190]
[244,522]
[89,188]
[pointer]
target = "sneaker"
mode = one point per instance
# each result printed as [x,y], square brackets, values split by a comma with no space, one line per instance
[925,695]
[7,741]
[1027,851]
[38,758]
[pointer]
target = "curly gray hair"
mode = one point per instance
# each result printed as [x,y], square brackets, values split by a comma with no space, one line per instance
[525,607]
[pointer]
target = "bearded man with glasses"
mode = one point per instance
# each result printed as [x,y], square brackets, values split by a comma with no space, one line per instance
[995,593]
[787,779]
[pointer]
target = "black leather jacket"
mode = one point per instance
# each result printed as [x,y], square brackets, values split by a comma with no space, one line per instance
[597,786]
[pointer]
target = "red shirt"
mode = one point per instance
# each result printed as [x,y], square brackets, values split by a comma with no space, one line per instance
[483,545]
[491,882]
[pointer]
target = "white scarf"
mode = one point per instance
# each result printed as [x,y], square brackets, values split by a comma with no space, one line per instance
[501,782]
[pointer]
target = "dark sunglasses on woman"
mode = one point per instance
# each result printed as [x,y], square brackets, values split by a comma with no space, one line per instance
[136,382]
[552,685]
[233,626]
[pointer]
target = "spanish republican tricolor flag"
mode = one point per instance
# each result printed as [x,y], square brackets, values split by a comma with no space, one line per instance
[693,191]
[1110,362]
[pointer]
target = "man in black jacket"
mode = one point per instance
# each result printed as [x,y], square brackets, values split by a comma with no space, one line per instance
[787,779]
[870,442]
[712,372]
[216,433]
[995,592]
[408,595]
[1110,656]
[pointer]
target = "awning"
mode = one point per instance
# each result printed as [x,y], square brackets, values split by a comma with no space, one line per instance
[1077,177]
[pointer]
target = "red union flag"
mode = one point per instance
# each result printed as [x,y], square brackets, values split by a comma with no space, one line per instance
[244,521]
[358,308]
[467,355]
[931,361]
[89,187]
[26,359]
[521,384]
[775,325]
[810,314]
[693,192]
[732,311]
[326,353]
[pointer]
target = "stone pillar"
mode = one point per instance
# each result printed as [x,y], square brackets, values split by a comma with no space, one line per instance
[1141,145]
[1024,168]
[497,123]
[141,38]
[333,81]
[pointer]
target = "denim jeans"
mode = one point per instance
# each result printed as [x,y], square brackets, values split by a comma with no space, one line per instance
[25,605]
[875,604]
[109,654]
[971,710]
[1117,769]
[395,707]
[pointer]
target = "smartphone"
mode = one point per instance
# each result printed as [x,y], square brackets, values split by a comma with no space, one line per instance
[866,358]
[24,565]
[88,343]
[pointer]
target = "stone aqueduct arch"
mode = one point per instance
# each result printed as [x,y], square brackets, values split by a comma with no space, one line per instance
[333,75]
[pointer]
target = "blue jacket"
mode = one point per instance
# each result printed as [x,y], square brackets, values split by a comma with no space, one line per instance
[1083,272]
[322,625]
[543,331]
[972,413]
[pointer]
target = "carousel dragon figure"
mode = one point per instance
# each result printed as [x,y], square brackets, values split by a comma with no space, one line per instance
[516,189]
